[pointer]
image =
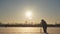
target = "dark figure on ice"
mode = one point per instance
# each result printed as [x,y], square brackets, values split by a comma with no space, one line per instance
[44,25]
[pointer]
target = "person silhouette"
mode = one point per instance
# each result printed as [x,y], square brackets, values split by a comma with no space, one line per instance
[44,25]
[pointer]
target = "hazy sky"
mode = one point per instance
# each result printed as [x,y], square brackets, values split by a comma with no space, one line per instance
[14,10]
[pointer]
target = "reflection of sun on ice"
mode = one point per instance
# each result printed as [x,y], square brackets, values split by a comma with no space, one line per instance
[29,14]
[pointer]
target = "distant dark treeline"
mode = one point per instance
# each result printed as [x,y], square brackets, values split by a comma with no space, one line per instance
[28,25]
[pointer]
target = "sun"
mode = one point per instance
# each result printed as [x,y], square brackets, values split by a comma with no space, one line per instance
[29,14]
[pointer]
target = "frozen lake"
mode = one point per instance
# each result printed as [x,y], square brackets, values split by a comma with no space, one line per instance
[28,30]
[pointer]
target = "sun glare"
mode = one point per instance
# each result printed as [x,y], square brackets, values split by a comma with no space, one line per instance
[29,14]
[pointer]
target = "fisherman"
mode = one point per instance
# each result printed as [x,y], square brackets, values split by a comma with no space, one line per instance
[44,25]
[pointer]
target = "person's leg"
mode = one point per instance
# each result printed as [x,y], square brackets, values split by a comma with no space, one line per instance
[45,30]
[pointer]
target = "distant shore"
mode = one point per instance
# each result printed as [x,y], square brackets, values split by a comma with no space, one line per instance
[28,25]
